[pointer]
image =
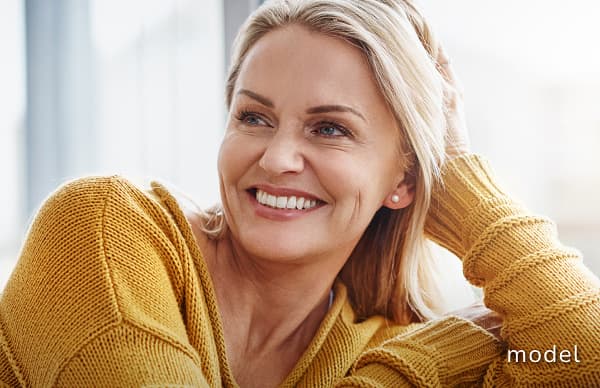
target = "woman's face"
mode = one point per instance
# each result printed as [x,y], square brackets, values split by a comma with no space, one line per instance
[311,149]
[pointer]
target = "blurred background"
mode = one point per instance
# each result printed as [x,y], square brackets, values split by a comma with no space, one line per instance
[136,88]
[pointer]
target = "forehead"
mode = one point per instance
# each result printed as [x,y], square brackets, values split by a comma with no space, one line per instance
[293,62]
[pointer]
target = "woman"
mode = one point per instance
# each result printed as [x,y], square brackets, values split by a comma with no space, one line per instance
[345,145]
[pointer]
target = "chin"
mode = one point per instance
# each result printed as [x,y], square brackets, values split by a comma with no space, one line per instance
[280,247]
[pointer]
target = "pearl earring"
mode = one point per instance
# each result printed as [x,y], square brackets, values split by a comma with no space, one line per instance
[395,198]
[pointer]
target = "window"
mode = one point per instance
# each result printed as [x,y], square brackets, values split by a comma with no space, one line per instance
[12,121]
[159,106]
[131,87]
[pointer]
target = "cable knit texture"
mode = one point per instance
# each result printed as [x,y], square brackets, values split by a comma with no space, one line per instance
[112,290]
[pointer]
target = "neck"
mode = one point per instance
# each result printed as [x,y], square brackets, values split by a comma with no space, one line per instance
[273,305]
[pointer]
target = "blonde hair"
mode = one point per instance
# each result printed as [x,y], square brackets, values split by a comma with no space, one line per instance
[390,272]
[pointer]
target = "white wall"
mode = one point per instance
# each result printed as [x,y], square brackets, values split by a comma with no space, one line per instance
[12,110]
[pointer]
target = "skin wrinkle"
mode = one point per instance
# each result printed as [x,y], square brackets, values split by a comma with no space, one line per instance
[254,344]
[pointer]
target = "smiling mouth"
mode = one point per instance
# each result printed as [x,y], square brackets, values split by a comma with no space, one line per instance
[285,202]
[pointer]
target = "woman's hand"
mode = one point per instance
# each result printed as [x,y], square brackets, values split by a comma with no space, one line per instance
[457,136]
[481,316]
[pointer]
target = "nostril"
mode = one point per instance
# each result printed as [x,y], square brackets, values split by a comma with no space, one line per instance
[282,155]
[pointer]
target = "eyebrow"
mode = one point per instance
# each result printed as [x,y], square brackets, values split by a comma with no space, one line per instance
[315,110]
[335,108]
[255,96]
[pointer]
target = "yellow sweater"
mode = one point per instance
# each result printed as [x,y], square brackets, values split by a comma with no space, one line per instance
[112,290]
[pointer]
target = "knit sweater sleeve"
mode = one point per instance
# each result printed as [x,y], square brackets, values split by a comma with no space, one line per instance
[549,300]
[96,296]
[441,353]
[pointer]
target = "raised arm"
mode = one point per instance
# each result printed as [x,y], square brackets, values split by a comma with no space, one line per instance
[549,300]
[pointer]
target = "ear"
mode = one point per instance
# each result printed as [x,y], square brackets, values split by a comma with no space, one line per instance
[404,193]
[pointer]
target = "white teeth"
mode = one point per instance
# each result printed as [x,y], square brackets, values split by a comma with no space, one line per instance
[281,202]
[271,200]
[291,203]
[284,202]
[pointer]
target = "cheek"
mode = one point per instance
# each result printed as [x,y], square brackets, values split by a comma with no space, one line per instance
[224,162]
[236,155]
[354,182]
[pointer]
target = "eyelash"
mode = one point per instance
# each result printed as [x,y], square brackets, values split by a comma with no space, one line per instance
[322,124]
[244,114]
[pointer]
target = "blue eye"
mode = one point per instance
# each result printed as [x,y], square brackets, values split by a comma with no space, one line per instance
[327,129]
[250,118]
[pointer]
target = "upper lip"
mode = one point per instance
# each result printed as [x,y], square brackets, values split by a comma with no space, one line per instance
[285,191]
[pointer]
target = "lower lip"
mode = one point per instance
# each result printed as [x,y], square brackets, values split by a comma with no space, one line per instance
[278,214]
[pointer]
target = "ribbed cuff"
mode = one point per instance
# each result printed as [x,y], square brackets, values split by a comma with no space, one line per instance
[446,352]
[463,350]
[465,204]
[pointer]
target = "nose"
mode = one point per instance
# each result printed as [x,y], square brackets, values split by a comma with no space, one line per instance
[282,154]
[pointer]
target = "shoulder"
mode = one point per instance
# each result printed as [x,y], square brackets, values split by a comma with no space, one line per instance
[99,197]
[88,192]
[75,206]
[101,219]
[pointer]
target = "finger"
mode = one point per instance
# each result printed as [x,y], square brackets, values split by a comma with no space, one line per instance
[453,90]
[443,62]
[442,57]
[444,65]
